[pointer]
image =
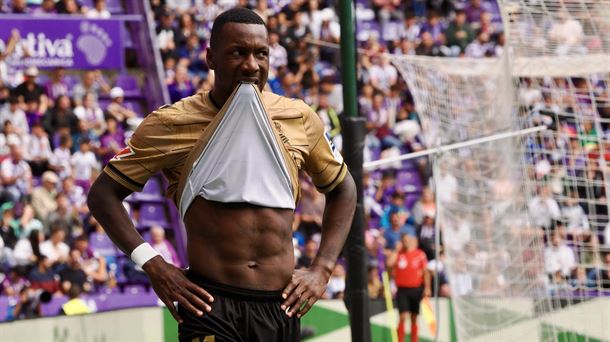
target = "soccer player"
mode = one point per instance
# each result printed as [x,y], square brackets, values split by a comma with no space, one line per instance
[241,284]
[412,279]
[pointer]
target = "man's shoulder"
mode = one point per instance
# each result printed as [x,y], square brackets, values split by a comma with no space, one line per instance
[278,105]
[185,111]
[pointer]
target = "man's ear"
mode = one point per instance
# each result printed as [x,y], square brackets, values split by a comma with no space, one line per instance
[209,57]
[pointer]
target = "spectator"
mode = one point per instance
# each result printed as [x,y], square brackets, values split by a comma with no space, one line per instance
[27,250]
[60,160]
[35,111]
[577,222]
[76,196]
[544,209]
[15,115]
[311,249]
[567,35]
[426,234]
[57,85]
[93,82]
[428,47]
[336,283]
[206,10]
[68,7]
[383,74]
[426,205]
[396,230]
[474,10]
[117,109]
[16,175]
[480,47]
[459,33]
[28,305]
[84,164]
[163,246]
[28,222]
[374,285]
[61,115]
[331,120]
[43,277]
[92,264]
[91,115]
[558,257]
[278,57]
[111,142]
[66,216]
[14,282]
[44,197]
[47,7]
[167,34]
[55,249]
[434,26]
[101,244]
[193,54]
[182,85]
[9,227]
[73,273]
[19,7]
[38,150]
[99,10]
[29,89]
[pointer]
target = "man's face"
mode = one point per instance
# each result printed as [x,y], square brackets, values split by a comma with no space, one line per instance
[241,55]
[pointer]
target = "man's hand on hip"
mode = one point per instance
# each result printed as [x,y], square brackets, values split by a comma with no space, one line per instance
[304,289]
[171,285]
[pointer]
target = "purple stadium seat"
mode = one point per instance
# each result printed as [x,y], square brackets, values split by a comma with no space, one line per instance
[153,214]
[129,84]
[52,308]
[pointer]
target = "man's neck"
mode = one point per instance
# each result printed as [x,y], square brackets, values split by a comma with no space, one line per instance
[217,100]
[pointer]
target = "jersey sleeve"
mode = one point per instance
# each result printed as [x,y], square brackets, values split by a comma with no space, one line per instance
[146,153]
[324,162]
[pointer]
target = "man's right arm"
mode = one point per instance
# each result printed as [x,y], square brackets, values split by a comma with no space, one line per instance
[105,201]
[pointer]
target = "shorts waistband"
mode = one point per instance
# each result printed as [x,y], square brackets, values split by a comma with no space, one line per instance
[232,291]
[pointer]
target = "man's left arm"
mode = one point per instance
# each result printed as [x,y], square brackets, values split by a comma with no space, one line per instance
[308,285]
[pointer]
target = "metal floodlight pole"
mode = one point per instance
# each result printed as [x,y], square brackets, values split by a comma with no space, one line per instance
[356,294]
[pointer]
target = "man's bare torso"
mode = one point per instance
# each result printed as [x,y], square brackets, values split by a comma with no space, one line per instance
[239,244]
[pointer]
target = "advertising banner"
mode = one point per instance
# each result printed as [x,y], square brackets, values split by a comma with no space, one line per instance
[77,43]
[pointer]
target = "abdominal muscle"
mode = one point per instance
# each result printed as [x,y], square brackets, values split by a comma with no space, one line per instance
[240,244]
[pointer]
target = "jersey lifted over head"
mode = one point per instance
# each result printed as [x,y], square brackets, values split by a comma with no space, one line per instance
[243,160]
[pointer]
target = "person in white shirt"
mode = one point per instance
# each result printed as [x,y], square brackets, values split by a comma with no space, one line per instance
[60,160]
[559,257]
[91,115]
[544,209]
[577,222]
[278,57]
[55,249]
[16,175]
[83,164]
[38,150]
[99,10]
[15,115]
[567,34]
[383,74]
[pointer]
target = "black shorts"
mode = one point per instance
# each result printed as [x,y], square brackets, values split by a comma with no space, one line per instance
[238,315]
[409,299]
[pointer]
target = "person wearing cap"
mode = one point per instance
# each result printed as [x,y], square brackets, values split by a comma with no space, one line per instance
[43,196]
[29,89]
[116,109]
[412,279]
[241,284]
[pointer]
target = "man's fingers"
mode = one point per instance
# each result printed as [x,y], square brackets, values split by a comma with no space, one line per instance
[172,309]
[201,293]
[196,301]
[288,290]
[292,298]
[299,303]
[187,305]
[305,308]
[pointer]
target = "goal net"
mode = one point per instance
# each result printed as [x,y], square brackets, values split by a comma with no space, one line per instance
[524,220]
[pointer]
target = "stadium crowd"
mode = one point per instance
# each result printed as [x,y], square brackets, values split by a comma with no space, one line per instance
[58,132]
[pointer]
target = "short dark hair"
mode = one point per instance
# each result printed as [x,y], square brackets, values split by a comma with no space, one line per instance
[239,15]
